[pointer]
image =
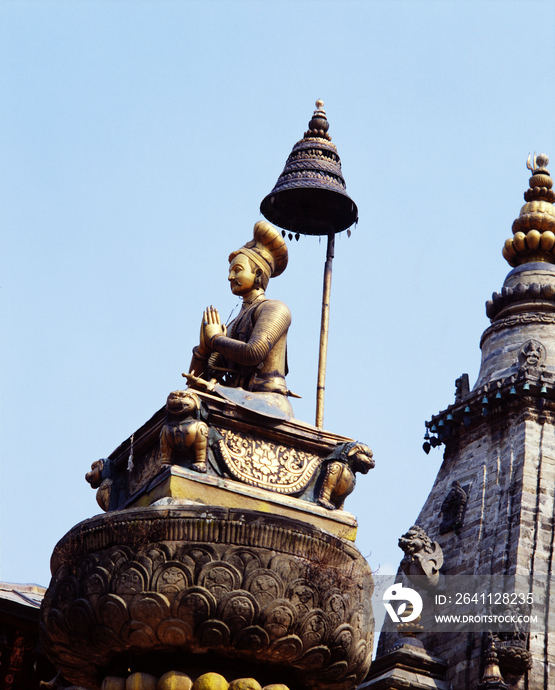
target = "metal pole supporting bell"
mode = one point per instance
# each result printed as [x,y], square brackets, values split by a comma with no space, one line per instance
[310,198]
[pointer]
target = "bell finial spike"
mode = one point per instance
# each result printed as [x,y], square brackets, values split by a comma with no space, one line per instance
[318,125]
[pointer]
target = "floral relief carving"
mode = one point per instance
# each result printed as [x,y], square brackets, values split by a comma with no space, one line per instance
[264,585]
[130,580]
[171,578]
[238,610]
[278,618]
[219,578]
[303,596]
[194,605]
[267,465]
[335,607]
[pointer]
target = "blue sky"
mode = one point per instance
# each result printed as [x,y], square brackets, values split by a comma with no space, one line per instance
[138,140]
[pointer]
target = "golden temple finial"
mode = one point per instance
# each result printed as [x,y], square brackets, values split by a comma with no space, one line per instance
[492,677]
[408,630]
[534,230]
[542,161]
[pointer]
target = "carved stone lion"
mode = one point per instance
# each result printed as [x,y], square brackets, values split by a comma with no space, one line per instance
[339,478]
[423,558]
[98,479]
[184,431]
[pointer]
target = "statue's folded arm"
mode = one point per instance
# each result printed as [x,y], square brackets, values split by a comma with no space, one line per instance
[273,319]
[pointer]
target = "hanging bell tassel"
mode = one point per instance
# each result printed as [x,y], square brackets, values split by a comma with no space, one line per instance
[130,464]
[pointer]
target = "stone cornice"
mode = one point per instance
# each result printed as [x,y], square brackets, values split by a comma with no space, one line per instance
[530,395]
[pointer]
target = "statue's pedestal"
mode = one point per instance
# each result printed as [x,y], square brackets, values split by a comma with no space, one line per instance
[235,569]
[181,486]
[266,463]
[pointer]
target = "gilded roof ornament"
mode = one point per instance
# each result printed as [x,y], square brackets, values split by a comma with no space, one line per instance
[492,677]
[534,229]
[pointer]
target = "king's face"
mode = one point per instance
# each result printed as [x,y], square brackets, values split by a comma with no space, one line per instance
[241,276]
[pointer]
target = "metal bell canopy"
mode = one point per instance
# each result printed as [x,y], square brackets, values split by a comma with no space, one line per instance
[310,198]
[310,195]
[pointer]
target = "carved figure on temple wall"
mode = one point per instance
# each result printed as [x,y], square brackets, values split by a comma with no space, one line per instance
[339,473]
[453,508]
[423,558]
[531,357]
[184,434]
[250,353]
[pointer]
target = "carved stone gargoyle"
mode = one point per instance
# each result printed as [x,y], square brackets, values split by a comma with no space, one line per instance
[339,473]
[423,559]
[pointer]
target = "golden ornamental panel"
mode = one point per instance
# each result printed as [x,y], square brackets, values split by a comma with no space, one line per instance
[265,464]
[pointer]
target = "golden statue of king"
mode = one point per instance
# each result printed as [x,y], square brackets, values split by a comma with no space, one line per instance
[251,353]
[225,552]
